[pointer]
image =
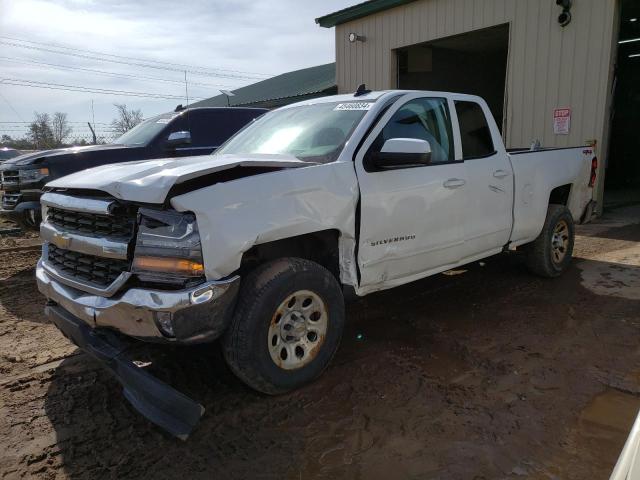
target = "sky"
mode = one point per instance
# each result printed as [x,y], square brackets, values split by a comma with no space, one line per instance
[223,44]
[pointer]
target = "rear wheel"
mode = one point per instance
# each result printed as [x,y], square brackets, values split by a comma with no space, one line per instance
[286,327]
[550,254]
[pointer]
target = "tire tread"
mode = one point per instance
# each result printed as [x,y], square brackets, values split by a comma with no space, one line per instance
[235,340]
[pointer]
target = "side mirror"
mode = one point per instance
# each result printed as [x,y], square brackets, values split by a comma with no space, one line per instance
[403,152]
[177,139]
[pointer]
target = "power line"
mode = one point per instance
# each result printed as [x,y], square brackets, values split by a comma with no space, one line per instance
[112,74]
[11,106]
[68,121]
[145,65]
[182,66]
[78,88]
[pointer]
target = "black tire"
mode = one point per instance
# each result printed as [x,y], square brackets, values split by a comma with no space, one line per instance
[245,344]
[29,220]
[541,256]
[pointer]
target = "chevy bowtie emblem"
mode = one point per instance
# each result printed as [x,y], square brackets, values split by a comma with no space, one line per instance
[61,240]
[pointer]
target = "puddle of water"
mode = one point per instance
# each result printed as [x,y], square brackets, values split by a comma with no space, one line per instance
[608,418]
[614,273]
[604,425]
[596,441]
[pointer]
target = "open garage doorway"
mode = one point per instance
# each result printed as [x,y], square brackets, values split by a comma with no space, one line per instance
[622,178]
[473,63]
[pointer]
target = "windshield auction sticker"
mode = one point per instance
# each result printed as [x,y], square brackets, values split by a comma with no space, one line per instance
[354,106]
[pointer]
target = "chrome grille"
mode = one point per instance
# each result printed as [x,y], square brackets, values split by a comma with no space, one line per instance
[9,177]
[87,241]
[98,271]
[121,226]
[10,200]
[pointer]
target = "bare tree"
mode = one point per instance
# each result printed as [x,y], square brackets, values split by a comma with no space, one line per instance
[60,127]
[40,132]
[127,118]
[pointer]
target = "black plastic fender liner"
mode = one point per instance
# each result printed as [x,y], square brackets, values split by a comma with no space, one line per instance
[158,402]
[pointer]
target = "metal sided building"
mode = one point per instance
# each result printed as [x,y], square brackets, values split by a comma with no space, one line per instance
[559,72]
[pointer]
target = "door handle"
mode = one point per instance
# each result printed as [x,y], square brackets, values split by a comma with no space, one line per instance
[501,173]
[454,183]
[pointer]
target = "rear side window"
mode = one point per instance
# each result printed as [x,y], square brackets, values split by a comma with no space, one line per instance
[474,130]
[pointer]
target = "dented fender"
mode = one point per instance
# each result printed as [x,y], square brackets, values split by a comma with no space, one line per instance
[234,216]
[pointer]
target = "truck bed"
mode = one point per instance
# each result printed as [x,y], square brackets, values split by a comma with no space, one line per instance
[536,174]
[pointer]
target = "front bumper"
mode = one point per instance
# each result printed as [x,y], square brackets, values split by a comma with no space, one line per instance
[199,314]
[154,399]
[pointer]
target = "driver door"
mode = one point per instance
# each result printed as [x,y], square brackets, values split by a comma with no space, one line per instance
[411,216]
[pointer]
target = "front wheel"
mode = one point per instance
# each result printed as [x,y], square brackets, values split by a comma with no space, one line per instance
[29,220]
[550,254]
[286,327]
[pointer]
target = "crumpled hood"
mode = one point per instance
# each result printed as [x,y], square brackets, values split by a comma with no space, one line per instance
[149,181]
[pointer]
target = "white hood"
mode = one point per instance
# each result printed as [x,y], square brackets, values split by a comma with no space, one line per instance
[149,181]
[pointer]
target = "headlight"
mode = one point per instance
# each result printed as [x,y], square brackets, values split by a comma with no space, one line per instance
[168,248]
[33,175]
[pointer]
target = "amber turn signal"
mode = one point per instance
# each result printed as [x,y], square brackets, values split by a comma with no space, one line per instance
[169,265]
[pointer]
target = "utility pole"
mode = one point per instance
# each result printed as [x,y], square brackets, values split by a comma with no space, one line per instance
[93,119]
[186,88]
[93,132]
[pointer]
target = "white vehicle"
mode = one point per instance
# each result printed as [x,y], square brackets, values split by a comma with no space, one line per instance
[256,243]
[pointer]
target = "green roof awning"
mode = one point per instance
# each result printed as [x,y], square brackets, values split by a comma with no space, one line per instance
[358,11]
[273,91]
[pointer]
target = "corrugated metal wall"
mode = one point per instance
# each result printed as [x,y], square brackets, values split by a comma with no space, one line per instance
[548,66]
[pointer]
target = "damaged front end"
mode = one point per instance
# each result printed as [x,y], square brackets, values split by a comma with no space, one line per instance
[111,271]
[158,402]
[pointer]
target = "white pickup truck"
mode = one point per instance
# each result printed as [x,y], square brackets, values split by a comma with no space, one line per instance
[256,243]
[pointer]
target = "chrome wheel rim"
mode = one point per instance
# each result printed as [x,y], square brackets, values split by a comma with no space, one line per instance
[559,241]
[297,330]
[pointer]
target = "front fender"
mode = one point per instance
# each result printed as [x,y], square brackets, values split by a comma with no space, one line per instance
[237,215]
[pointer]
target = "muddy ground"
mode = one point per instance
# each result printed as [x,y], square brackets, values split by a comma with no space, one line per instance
[486,372]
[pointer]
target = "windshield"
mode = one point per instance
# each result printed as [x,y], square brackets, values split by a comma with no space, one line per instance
[6,154]
[144,132]
[312,133]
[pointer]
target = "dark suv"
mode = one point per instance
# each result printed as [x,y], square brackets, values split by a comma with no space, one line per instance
[191,131]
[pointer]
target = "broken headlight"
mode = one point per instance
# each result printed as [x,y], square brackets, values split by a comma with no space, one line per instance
[168,248]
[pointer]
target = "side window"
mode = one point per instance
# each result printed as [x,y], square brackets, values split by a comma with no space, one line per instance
[213,128]
[474,130]
[175,125]
[425,119]
[199,123]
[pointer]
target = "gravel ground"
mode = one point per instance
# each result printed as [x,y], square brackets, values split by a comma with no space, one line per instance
[485,372]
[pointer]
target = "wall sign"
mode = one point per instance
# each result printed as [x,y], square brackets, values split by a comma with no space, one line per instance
[561,121]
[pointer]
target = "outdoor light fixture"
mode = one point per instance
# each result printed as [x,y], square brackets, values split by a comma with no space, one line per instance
[228,94]
[564,18]
[354,37]
[633,19]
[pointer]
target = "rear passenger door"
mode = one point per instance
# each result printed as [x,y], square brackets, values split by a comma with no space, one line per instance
[488,215]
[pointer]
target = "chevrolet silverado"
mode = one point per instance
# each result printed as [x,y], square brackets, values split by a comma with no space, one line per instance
[258,243]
